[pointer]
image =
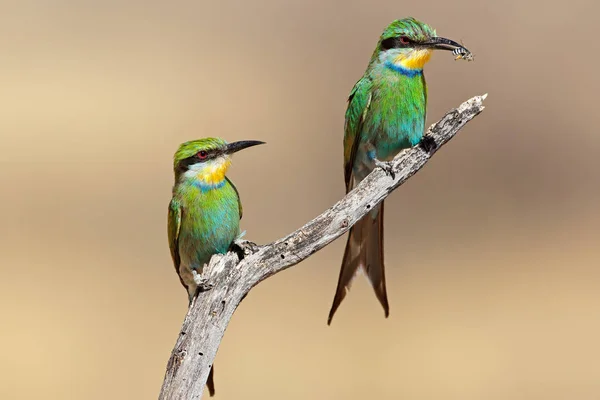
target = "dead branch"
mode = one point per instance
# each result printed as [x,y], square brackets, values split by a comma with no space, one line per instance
[231,276]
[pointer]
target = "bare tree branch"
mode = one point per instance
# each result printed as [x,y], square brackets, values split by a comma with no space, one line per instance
[231,279]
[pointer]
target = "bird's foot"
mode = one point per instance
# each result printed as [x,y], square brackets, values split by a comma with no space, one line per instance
[201,282]
[244,248]
[386,166]
[428,144]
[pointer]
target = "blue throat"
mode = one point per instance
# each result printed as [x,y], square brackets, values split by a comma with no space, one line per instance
[411,73]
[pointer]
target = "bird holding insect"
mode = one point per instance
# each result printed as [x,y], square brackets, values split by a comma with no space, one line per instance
[385,114]
[462,54]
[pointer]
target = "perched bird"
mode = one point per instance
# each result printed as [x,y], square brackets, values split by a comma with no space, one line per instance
[205,211]
[385,114]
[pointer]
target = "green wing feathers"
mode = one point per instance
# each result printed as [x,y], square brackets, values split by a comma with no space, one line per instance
[173,227]
[238,196]
[358,105]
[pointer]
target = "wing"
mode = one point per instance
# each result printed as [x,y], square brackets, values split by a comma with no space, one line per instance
[173,227]
[358,106]
[425,97]
[238,196]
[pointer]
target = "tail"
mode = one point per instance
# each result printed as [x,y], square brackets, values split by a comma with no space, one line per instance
[364,249]
[211,382]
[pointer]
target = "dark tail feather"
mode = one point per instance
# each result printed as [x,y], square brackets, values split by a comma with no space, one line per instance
[347,272]
[211,382]
[375,266]
[364,249]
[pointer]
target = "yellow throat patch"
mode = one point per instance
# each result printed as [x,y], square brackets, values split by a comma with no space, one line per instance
[416,59]
[214,171]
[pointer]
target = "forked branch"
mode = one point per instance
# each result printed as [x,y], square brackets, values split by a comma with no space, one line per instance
[231,276]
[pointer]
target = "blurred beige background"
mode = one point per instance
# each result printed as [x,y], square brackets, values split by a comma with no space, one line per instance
[492,250]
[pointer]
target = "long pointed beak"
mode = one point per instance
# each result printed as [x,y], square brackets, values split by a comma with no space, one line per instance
[440,43]
[242,144]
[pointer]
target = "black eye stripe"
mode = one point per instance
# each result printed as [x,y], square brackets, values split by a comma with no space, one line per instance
[184,164]
[395,43]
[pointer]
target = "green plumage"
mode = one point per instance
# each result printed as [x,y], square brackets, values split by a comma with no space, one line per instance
[208,222]
[385,114]
[204,216]
[205,210]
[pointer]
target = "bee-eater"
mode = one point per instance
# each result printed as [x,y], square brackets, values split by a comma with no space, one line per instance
[385,114]
[205,211]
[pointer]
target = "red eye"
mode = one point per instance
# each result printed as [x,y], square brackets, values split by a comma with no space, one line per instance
[404,40]
[202,154]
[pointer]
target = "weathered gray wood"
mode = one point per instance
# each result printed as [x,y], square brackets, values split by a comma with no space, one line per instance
[231,279]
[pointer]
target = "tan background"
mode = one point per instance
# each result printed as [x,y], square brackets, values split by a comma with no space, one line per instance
[492,250]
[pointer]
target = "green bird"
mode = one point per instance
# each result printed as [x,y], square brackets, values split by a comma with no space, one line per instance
[385,114]
[205,210]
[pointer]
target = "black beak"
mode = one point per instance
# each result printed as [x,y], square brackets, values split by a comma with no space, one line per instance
[242,144]
[440,43]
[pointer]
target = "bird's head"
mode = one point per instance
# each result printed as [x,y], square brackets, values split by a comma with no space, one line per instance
[408,44]
[207,160]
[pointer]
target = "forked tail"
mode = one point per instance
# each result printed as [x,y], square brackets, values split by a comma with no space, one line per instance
[364,249]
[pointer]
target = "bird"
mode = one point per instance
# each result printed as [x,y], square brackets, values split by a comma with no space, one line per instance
[204,211]
[385,114]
